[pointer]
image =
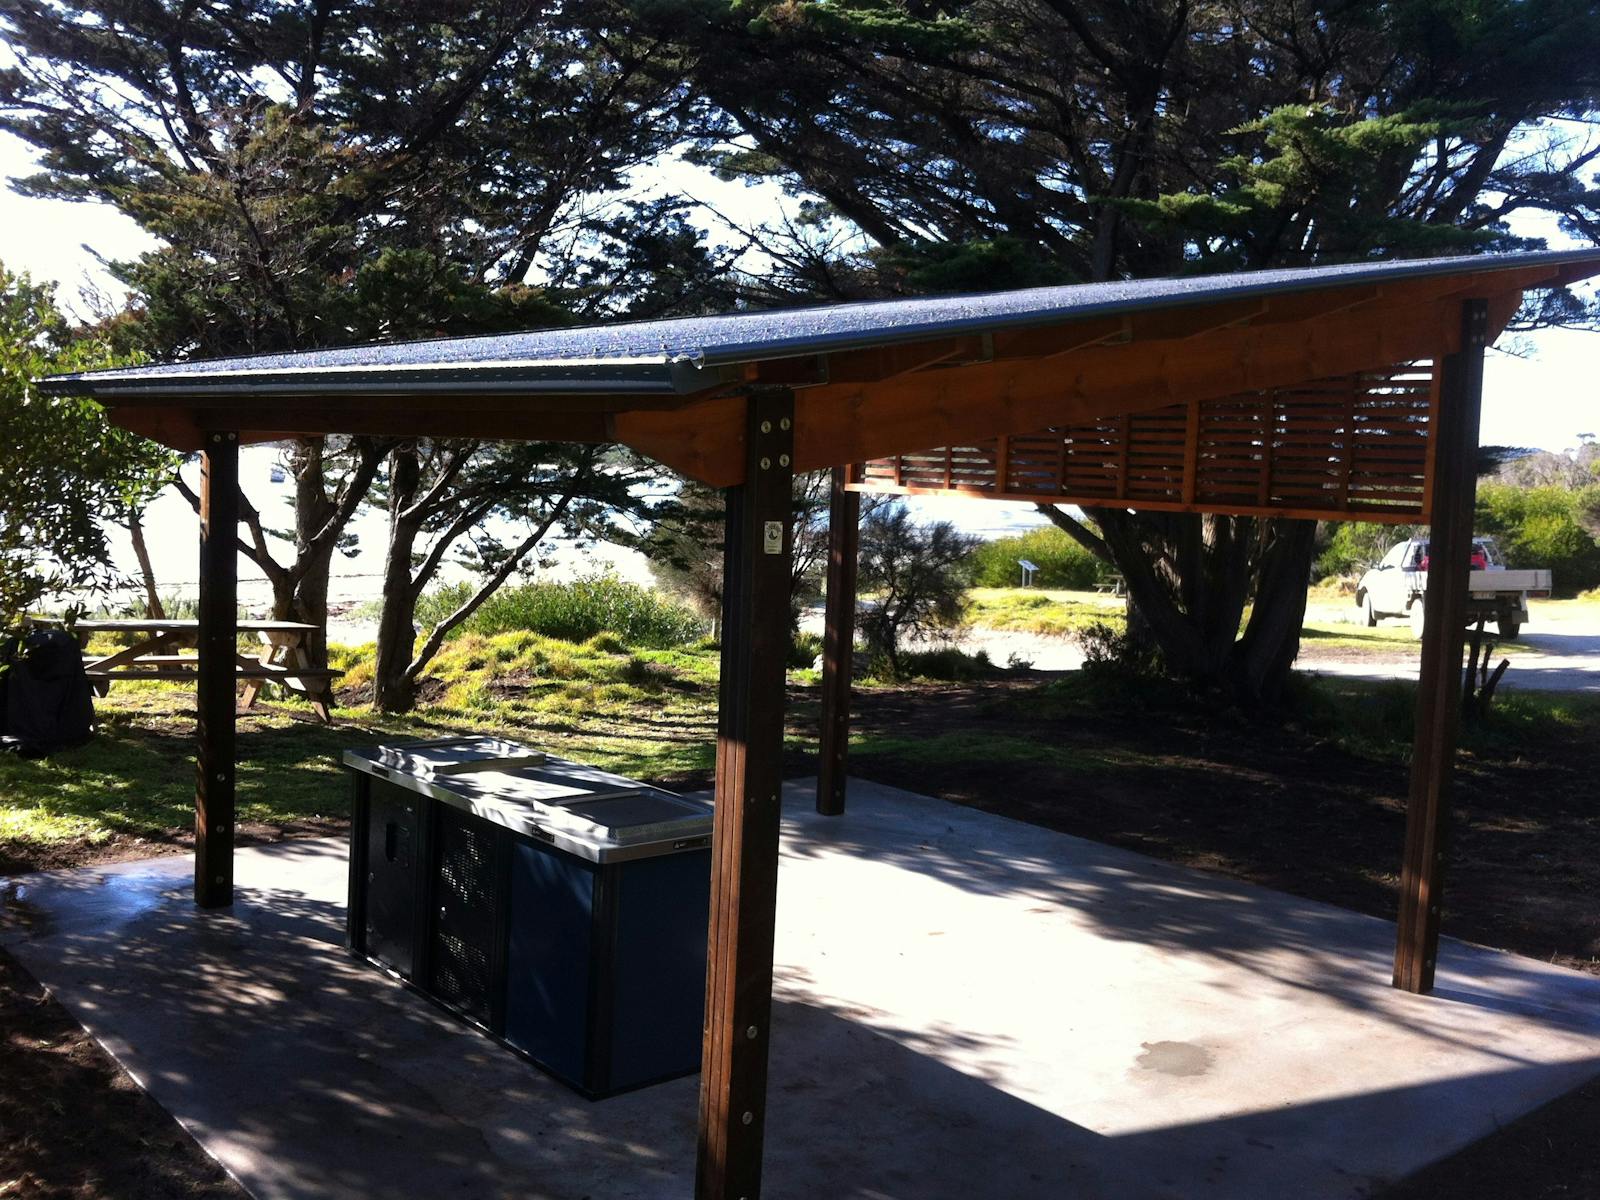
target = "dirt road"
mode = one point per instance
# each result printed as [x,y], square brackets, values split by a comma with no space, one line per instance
[1567,635]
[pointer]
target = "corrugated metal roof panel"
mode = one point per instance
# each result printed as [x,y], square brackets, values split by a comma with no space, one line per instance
[673,355]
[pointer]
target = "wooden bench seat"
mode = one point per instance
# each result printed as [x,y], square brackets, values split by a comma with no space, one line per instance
[253,670]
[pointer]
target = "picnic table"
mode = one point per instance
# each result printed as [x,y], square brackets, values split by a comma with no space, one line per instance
[155,654]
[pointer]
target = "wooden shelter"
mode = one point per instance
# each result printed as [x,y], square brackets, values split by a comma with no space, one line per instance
[1348,391]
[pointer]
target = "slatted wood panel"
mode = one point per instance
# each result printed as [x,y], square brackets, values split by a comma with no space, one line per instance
[1352,445]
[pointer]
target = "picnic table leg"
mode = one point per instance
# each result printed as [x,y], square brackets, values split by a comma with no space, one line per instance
[318,690]
[98,686]
[252,687]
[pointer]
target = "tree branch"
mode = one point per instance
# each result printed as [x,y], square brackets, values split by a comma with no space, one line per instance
[463,522]
[1077,531]
[512,562]
[460,453]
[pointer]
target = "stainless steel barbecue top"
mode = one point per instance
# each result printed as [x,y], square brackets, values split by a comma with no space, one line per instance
[578,808]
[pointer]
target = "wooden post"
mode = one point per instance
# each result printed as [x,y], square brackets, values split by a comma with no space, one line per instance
[838,644]
[217,640]
[744,873]
[1455,480]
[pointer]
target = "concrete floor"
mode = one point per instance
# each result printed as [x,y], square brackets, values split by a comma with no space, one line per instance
[968,1007]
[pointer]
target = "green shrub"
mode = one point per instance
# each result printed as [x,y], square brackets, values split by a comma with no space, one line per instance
[612,611]
[946,663]
[1353,546]
[803,650]
[1112,650]
[1540,527]
[1061,561]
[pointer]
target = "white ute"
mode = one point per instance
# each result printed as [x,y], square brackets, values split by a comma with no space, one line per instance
[1395,586]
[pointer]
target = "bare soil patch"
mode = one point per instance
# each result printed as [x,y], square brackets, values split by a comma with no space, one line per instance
[73,1125]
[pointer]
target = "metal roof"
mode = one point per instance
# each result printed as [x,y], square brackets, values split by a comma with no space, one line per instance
[674,356]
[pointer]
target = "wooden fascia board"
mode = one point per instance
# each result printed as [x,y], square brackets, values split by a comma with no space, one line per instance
[175,428]
[704,441]
[960,405]
[865,366]
[1049,341]
[1052,341]
[501,425]
[214,407]
[1180,324]
[1310,306]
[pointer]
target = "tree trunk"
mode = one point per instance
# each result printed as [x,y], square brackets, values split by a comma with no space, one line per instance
[152,598]
[1189,580]
[300,591]
[308,601]
[393,685]
[393,682]
[1263,657]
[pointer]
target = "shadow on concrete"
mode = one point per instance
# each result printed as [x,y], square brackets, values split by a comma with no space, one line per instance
[311,1075]
[1274,939]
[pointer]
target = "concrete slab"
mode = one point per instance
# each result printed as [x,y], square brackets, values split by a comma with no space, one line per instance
[968,1007]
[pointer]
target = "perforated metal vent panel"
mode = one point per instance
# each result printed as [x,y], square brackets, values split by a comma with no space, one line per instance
[464,920]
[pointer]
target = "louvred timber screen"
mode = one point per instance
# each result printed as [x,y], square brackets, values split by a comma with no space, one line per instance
[1354,446]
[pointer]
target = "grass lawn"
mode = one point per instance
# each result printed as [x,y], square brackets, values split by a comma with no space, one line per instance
[1043,611]
[648,714]
[1065,613]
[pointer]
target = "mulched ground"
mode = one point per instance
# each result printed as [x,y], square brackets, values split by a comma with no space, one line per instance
[1256,799]
[73,1126]
[1548,1155]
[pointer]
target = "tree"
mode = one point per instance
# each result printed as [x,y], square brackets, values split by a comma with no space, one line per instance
[685,538]
[1576,467]
[322,174]
[917,576]
[1545,526]
[62,465]
[1009,142]
[446,496]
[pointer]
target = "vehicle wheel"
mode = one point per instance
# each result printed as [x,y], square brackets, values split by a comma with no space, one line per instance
[1416,617]
[1509,628]
[1370,612]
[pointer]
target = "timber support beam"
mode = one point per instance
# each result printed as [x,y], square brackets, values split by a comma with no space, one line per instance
[838,643]
[749,784]
[1444,634]
[215,765]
